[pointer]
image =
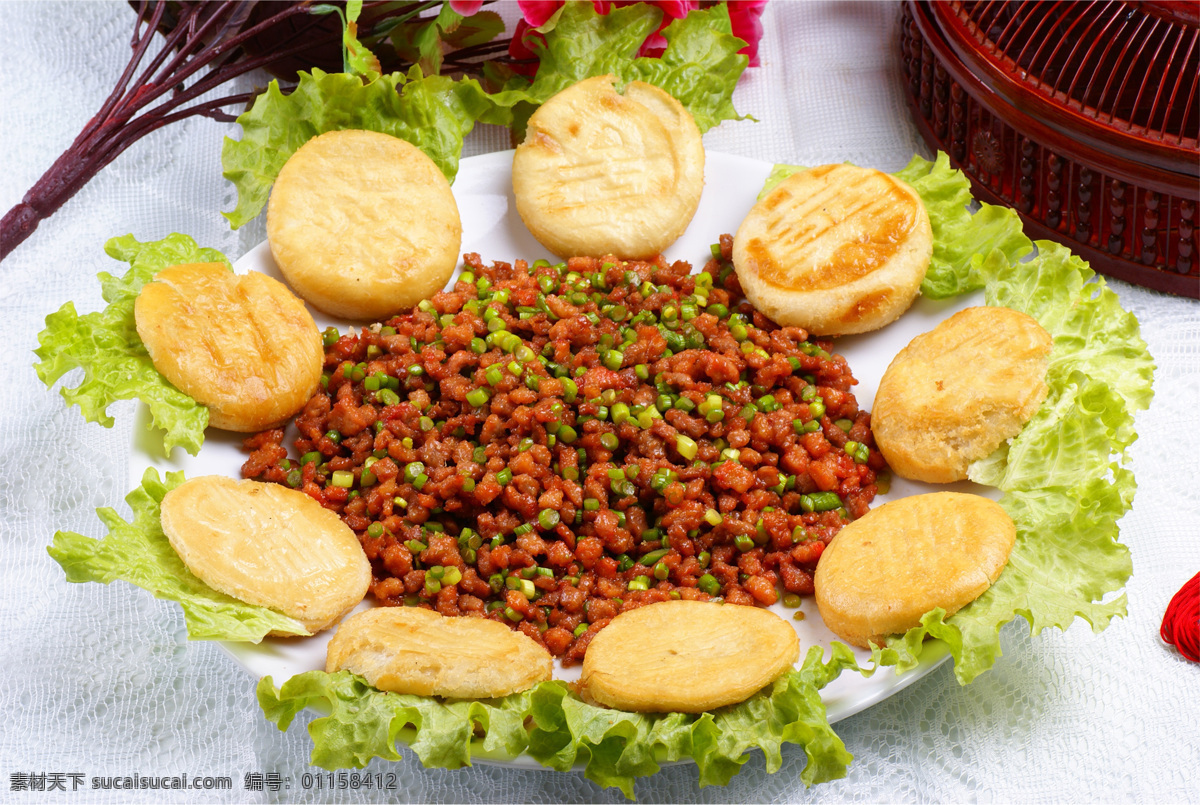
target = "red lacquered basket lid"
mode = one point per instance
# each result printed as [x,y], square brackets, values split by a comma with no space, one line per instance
[1083,116]
[1122,75]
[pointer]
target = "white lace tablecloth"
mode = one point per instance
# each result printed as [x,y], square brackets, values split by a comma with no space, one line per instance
[101,680]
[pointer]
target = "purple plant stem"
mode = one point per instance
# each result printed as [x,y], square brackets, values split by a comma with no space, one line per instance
[114,128]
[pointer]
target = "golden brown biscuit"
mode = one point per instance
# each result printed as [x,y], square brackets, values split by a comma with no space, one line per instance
[411,650]
[267,545]
[956,393]
[607,172]
[834,249]
[686,657]
[363,225]
[883,572]
[241,345]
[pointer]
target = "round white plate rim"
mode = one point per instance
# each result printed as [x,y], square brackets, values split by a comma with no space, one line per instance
[476,189]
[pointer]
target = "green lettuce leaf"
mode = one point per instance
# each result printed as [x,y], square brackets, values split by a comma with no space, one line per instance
[105,344]
[1065,563]
[962,240]
[700,66]
[137,551]
[1063,476]
[1091,331]
[613,747]
[434,113]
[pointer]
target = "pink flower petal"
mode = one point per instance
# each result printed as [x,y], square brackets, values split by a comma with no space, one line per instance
[536,12]
[744,18]
[465,7]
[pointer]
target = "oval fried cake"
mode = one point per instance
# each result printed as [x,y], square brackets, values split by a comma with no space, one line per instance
[957,392]
[267,545]
[411,650]
[363,225]
[884,571]
[240,344]
[607,172]
[834,249]
[686,656]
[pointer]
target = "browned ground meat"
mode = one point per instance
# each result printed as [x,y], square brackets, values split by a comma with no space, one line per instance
[548,446]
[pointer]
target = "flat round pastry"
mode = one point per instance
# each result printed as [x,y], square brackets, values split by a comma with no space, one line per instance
[834,249]
[957,392]
[267,545]
[603,171]
[686,657]
[883,572]
[418,651]
[363,225]
[242,345]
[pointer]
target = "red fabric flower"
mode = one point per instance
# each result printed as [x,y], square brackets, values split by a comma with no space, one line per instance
[536,12]
[465,7]
[745,17]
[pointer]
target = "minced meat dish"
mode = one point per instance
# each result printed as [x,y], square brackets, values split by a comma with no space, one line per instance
[549,445]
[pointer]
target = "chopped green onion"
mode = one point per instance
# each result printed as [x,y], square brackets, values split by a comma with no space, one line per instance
[686,446]
[652,557]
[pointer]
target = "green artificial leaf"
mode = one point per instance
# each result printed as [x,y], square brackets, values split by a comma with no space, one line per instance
[137,551]
[424,42]
[434,113]
[700,66]
[962,240]
[613,747]
[356,57]
[105,344]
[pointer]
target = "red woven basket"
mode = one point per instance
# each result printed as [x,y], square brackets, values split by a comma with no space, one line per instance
[1082,116]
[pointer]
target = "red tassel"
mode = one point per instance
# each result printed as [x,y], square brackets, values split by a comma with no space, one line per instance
[1181,621]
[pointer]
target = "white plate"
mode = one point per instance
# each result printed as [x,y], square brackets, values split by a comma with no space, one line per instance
[492,228]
